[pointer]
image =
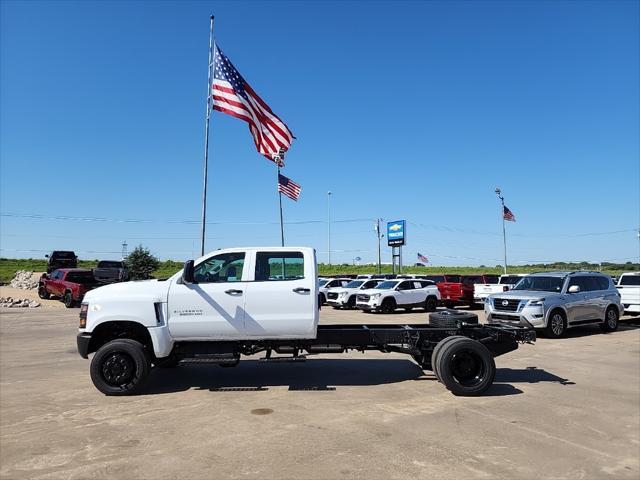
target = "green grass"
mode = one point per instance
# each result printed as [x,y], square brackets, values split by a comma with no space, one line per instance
[9,266]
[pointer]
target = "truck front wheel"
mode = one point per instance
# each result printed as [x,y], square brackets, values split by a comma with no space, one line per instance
[68,300]
[120,367]
[42,292]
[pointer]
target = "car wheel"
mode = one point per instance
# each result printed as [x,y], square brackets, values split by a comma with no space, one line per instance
[611,318]
[351,303]
[388,306]
[431,304]
[466,367]
[68,300]
[120,367]
[42,293]
[557,324]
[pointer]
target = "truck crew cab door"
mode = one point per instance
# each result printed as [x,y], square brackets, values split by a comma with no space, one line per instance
[212,308]
[282,299]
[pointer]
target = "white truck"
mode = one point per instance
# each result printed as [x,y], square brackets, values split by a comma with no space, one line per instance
[629,287]
[245,301]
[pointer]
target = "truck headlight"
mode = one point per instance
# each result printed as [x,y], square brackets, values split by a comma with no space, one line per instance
[375,296]
[535,303]
[342,294]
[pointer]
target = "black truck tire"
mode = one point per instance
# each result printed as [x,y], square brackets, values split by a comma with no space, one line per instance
[466,367]
[437,350]
[68,301]
[120,367]
[42,292]
[452,318]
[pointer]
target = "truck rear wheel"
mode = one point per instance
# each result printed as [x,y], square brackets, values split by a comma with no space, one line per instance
[120,367]
[68,300]
[466,367]
[436,352]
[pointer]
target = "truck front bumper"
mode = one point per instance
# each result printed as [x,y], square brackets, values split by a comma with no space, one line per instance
[83,339]
[530,317]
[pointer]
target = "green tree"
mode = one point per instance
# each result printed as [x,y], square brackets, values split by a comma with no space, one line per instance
[141,264]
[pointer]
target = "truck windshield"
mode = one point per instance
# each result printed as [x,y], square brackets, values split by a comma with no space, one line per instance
[509,279]
[386,285]
[630,280]
[63,255]
[540,284]
[354,284]
[109,264]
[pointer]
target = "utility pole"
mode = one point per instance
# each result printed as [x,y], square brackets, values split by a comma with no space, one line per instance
[376,227]
[504,231]
[329,226]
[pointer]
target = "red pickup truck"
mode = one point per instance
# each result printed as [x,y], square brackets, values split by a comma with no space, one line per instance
[458,289]
[68,284]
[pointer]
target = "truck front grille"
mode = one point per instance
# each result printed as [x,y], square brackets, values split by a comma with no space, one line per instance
[332,295]
[363,298]
[506,304]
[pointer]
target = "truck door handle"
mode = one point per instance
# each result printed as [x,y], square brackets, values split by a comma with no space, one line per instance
[302,290]
[233,291]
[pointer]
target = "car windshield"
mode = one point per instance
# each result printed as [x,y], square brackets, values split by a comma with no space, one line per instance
[322,282]
[386,285]
[630,280]
[354,284]
[540,284]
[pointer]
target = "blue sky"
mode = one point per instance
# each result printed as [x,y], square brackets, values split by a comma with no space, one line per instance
[413,111]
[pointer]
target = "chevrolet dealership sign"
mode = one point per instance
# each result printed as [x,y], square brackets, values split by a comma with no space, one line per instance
[396,233]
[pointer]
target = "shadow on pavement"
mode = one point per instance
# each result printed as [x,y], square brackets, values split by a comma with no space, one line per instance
[320,375]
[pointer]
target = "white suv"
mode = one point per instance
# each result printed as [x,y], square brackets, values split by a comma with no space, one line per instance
[389,295]
[325,284]
[346,296]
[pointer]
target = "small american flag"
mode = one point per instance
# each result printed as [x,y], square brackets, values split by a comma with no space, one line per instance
[508,215]
[290,188]
[233,95]
[422,258]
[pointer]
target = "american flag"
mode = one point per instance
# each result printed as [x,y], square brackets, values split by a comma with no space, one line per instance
[233,95]
[290,188]
[508,214]
[422,258]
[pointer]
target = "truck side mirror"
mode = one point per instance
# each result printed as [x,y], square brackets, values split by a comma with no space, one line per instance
[188,272]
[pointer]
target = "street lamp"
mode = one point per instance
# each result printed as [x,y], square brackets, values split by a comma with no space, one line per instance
[329,227]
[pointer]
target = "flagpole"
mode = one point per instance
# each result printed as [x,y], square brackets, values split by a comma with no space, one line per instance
[504,231]
[206,139]
[280,200]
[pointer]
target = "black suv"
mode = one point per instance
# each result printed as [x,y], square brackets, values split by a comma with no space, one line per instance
[61,259]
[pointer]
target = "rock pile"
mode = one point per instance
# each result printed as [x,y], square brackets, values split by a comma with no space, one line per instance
[18,303]
[24,280]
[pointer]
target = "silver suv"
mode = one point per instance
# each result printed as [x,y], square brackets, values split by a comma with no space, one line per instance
[557,301]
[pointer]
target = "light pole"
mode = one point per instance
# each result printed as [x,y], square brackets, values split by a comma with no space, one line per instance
[376,227]
[504,232]
[329,227]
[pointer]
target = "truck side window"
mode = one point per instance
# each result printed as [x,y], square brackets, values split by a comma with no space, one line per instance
[220,268]
[272,266]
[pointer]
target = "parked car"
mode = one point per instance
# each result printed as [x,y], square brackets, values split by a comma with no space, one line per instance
[68,284]
[110,271]
[345,297]
[629,288]
[61,259]
[389,295]
[558,301]
[459,289]
[325,284]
